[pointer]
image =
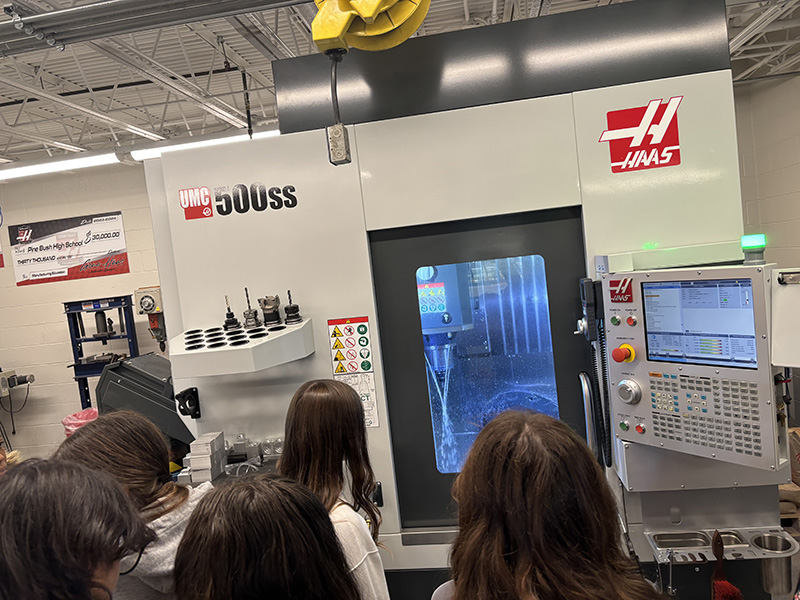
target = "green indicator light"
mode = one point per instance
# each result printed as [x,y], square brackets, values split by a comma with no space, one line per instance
[649,246]
[756,240]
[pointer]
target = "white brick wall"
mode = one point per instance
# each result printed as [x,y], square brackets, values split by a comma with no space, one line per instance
[768,116]
[34,337]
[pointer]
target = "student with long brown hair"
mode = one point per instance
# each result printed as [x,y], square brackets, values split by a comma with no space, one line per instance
[262,537]
[325,448]
[63,530]
[537,519]
[133,451]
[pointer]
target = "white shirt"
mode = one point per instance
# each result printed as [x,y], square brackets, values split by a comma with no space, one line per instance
[360,552]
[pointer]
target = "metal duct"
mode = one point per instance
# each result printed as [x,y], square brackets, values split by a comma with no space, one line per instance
[114,17]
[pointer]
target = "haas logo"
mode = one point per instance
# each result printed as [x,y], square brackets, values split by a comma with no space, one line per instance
[24,235]
[621,290]
[645,137]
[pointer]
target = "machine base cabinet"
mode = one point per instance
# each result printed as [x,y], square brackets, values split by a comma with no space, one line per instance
[415,585]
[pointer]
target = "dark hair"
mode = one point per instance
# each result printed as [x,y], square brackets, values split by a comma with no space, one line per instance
[261,536]
[58,523]
[133,451]
[538,519]
[325,430]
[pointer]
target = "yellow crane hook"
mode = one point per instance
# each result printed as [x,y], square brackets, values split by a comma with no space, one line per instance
[366,24]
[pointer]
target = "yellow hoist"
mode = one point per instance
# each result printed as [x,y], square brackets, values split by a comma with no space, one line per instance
[365,25]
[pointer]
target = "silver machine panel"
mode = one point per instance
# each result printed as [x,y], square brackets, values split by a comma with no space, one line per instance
[689,364]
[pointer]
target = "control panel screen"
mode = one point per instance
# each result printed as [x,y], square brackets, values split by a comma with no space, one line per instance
[707,322]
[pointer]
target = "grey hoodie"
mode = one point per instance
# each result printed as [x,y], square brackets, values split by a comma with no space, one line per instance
[152,577]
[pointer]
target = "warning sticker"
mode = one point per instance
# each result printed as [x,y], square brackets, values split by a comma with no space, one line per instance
[352,361]
[350,345]
[364,384]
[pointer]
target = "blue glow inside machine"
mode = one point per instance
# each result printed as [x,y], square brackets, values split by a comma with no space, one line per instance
[486,335]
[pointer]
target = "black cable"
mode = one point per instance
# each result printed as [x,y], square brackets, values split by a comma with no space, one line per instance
[597,410]
[4,436]
[601,342]
[247,104]
[334,94]
[10,410]
[336,58]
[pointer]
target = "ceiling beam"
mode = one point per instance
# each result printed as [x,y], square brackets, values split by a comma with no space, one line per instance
[35,137]
[42,95]
[208,36]
[107,18]
[789,62]
[261,36]
[757,25]
[168,80]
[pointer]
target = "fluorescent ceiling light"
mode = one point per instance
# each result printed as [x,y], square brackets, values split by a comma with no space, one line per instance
[146,153]
[59,165]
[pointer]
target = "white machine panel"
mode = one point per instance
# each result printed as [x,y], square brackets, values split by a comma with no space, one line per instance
[316,247]
[785,300]
[690,369]
[463,164]
[693,197]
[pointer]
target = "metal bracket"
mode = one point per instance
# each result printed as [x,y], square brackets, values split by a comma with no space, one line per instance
[189,403]
[788,277]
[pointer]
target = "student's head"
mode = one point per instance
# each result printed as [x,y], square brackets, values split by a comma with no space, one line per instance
[537,518]
[63,530]
[259,537]
[133,451]
[324,431]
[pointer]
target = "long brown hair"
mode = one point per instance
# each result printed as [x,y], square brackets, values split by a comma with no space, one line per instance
[324,431]
[59,522]
[537,518]
[262,536]
[133,451]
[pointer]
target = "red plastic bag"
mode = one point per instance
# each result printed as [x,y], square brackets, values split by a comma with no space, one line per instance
[73,422]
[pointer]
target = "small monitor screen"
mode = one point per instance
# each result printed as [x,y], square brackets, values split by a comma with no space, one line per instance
[701,322]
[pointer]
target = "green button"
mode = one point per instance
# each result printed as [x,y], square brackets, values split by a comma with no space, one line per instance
[615,320]
[624,425]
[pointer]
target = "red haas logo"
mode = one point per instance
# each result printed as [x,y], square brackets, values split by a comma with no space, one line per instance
[629,129]
[196,203]
[621,290]
[24,235]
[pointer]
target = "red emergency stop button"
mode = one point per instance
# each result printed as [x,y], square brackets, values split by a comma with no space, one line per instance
[640,428]
[624,353]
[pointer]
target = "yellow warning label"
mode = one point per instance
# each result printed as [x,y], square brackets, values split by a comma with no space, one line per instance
[339,355]
[338,345]
[340,368]
[337,332]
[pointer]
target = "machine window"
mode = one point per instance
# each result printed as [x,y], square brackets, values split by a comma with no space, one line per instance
[701,322]
[487,344]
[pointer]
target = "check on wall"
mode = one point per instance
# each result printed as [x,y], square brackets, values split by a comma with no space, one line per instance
[66,249]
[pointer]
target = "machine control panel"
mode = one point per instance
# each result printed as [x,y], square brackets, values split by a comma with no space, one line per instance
[690,367]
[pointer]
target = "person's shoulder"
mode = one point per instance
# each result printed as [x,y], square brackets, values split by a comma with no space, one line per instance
[195,493]
[344,513]
[444,591]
